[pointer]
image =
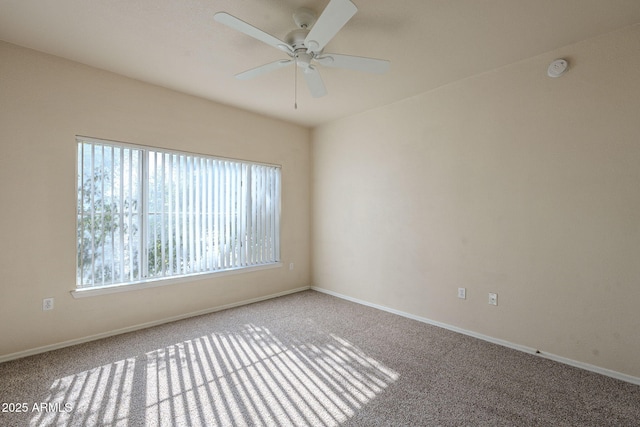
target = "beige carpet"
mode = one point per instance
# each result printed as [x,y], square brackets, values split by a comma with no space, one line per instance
[305,359]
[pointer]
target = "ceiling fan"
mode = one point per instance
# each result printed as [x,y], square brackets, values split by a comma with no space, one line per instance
[305,45]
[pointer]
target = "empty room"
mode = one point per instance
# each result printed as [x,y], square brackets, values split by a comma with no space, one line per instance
[320,212]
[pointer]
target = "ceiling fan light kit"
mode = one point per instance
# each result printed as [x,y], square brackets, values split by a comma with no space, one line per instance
[305,44]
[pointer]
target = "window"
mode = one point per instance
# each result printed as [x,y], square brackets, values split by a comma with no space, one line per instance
[147,214]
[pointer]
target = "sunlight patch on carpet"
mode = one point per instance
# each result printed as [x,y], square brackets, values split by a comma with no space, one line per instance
[246,378]
[252,378]
[99,396]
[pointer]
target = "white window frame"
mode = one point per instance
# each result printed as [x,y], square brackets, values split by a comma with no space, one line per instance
[220,227]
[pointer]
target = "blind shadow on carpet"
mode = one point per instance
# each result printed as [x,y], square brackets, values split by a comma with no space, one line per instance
[245,378]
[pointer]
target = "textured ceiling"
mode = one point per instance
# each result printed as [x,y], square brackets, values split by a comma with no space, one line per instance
[178,45]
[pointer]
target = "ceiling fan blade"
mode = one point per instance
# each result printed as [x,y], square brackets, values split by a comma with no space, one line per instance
[358,63]
[314,82]
[263,69]
[335,15]
[239,25]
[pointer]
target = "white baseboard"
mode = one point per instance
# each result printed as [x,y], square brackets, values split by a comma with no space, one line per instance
[554,357]
[43,349]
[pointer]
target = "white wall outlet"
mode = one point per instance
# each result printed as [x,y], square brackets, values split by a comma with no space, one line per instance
[290,266]
[462,293]
[47,304]
[493,298]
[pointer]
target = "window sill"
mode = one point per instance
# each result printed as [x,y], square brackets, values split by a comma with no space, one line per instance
[112,289]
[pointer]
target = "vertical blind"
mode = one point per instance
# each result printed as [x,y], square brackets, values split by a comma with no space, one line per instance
[145,214]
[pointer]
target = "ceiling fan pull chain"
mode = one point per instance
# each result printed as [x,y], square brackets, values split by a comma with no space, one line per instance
[295,85]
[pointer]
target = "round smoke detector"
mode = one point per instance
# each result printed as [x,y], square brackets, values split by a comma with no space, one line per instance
[557,68]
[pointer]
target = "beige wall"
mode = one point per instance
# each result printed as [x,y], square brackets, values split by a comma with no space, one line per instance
[44,102]
[507,182]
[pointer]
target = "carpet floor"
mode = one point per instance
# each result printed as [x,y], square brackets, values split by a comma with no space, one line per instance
[305,359]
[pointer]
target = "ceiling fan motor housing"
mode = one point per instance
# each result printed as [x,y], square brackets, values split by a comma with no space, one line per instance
[296,38]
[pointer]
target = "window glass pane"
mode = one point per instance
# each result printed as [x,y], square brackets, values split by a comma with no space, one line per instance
[107,225]
[145,214]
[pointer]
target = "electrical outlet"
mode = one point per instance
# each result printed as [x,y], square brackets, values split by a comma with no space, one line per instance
[493,298]
[290,266]
[462,293]
[47,304]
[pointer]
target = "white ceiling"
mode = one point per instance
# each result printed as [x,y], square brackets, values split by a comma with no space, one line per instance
[178,45]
